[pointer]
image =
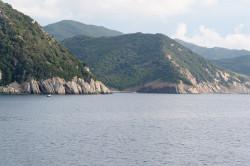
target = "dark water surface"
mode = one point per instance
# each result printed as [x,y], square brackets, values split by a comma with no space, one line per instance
[125,130]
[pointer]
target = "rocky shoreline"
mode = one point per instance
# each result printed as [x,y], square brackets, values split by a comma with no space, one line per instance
[56,85]
[202,88]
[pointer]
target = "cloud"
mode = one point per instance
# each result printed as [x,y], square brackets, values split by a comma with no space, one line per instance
[181,30]
[153,16]
[210,2]
[210,38]
[239,28]
[51,10]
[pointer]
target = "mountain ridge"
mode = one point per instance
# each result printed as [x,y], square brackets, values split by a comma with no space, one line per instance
[230,59]
[70,28]
[214,53]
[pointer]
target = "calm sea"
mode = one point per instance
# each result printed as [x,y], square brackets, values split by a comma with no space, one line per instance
[125,130]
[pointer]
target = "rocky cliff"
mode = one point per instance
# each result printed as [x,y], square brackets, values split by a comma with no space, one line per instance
[201,88]
[224,82]
[56,85]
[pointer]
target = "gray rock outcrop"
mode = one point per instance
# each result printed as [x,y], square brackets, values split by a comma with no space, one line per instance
[57,85]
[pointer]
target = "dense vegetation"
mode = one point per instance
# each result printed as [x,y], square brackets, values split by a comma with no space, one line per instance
[136,59]
[68,28]
[214,53]
[235,60]
[26,51]
[239,64]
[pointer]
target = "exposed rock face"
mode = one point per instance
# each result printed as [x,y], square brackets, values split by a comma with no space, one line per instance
[57,85]
[224,82]
[201,88]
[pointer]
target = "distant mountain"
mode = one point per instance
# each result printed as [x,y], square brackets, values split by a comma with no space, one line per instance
[152,63]
[235,60]
[214,53]
[33,62]
[68,28]
[238,64]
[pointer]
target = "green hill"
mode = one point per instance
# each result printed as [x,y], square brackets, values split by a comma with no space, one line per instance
[136,61]
[215,53]
[238,64]
[28,53]
[235,60]
[68,28]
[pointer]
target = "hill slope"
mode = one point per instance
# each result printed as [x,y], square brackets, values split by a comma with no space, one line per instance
[235,60]
[238,64]
[29,55]
[68,28]
[214,53]
[152,63]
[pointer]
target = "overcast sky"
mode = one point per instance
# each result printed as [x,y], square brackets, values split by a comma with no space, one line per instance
[223,23]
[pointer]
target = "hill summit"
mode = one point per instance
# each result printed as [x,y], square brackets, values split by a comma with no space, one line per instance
[69,28]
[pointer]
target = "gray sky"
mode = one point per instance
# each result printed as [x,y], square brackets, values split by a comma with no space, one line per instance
[224,23]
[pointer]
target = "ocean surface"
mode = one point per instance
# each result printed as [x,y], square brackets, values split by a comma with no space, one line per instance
[125,130]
